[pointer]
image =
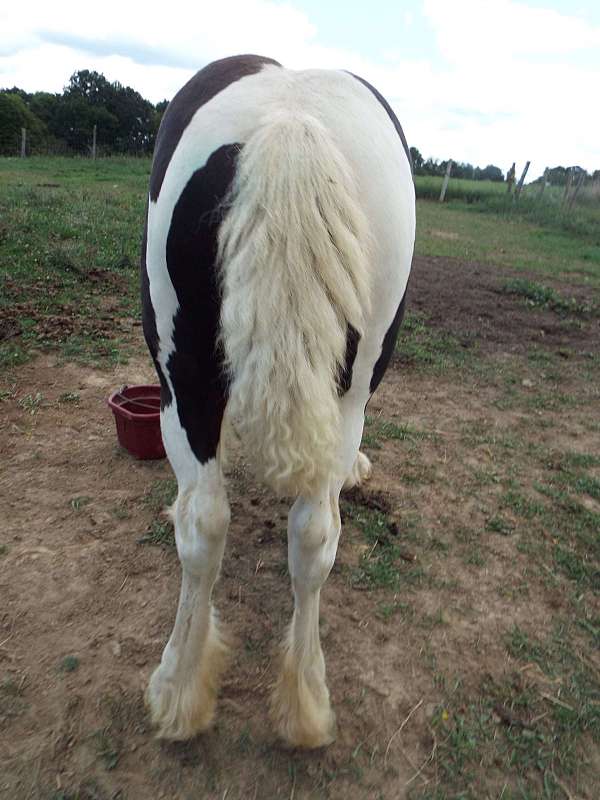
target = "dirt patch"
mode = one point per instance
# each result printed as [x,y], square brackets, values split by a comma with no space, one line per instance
[52,321]
[467,300]
[448,235]
[9,328]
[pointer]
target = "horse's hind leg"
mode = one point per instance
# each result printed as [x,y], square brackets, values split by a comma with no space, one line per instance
[300,702]
[182,691]
[361,471]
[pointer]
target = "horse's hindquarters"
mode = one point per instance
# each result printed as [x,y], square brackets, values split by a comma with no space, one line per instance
[206,125]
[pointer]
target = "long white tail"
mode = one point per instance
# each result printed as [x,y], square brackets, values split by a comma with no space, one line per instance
[293,250]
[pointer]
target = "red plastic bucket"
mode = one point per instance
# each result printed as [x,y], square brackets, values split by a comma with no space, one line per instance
[137,416]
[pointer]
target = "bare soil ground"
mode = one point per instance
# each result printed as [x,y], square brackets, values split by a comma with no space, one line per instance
[66,319]
[471,301]
[88,602]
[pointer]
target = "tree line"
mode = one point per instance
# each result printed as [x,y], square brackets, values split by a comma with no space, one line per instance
[559,176]
[555,176]
[431,166]
[126,123]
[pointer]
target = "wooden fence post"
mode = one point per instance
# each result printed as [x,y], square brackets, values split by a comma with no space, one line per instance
[544,181]
[94,143]
[579,184]
[510,178]
[445,183]
[567,185]
[521,180]
[23,142]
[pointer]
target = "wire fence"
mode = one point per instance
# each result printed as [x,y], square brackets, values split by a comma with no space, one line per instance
[88,142]
[579,189]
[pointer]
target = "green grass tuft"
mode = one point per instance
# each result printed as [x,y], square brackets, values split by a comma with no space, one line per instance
[423,346]
[69,664]
[384,563]
[159,497]
[536,295]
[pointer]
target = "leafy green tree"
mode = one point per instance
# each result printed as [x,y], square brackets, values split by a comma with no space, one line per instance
[557,176]
[25,96]
[463,170]
[14,115]
[90,86]
[417,160]
[130,126]
[135,132]
[491,173]
[74,122]
[431,167]
[44,105]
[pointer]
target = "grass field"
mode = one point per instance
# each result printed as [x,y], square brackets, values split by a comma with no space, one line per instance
[429,187]
[461,624]
[61,217]
[581,222]
[455,231]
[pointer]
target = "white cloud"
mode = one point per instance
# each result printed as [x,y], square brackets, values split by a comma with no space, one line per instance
[178,33]
[505,83]
[467,30]
[518,65]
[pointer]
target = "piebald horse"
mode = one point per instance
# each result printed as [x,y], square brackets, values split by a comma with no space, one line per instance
[276,253]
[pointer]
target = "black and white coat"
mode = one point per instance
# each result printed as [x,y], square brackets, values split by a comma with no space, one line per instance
[276,254]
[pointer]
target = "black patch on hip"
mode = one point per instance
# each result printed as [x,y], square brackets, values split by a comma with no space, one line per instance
[205,84]
[196,366]
[387,348]
[390,114]
[344,381]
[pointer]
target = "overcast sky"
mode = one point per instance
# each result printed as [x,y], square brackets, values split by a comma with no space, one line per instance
[485,81]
